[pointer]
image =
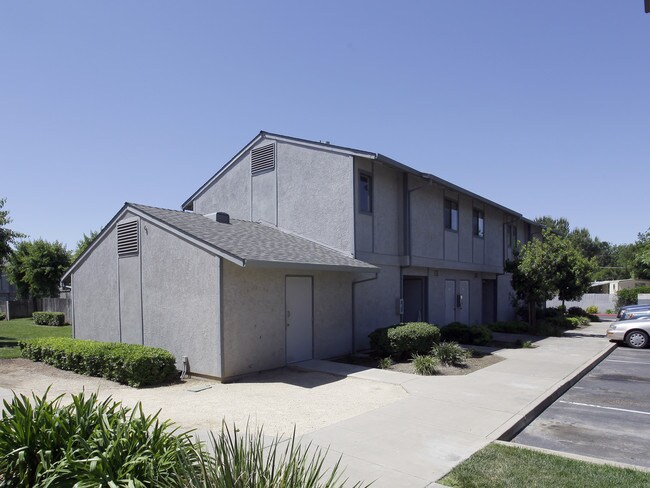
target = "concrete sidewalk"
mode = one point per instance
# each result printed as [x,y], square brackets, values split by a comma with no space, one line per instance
[415,441]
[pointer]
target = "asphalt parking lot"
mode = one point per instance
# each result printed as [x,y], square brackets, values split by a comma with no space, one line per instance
[606,415]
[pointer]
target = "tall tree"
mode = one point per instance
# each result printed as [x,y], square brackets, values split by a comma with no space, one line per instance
[84,243]
[36,267]
[641,264]
[7,236]
[543,268]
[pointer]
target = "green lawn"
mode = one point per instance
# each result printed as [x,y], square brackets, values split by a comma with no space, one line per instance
[12,331]
[513,467]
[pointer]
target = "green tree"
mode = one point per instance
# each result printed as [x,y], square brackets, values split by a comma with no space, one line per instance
[84,243]
[560,226]
[36,267]
[641,262]
[543,268]
[7,236]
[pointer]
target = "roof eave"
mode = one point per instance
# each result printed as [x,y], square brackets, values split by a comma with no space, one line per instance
[259,263]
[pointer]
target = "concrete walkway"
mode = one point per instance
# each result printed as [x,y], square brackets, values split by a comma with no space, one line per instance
[415,441]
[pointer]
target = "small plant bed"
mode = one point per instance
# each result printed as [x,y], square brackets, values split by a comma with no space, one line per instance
[477,360]
[502,466]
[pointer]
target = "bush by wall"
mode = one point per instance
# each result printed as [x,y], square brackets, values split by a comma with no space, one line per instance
[404,340]
[130,364]
[49,318]
[591,310]
[630,296]
[2,316]
[465,334]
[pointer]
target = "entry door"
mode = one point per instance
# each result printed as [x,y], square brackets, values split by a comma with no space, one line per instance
[299,321]
[414,298]
[450,301]
[489,301]
[462,302]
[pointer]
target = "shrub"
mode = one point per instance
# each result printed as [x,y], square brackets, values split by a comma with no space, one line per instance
[577,312]
[609,311]
[49,318]
[385,363]
[511,327]
[450,353]
[403,340]
[464,334]
[425,365]
[130,364]
[630,296]
[46,444]
[2,316]
[592,310]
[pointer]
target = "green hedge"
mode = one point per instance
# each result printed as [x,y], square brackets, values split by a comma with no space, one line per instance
[2,316]
[49,318]
[404,340]
[465,334]
[129,364]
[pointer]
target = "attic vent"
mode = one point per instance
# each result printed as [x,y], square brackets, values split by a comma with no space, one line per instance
[127,238]
[262,159]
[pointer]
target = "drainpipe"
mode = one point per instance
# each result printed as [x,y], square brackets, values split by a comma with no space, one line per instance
[354,307]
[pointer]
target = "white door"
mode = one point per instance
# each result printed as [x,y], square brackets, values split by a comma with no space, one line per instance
[462,301]
[450,301]
[299,323]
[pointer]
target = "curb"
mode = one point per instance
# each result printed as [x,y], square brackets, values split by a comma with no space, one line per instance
[556,392]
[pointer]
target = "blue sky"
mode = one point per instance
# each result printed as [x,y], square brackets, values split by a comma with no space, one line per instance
[543,107]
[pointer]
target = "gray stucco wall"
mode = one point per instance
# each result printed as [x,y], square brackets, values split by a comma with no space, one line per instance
[231,193]
[167,296]
[180,299]
[254,330]
[376,303]
[95,293]
[315,195]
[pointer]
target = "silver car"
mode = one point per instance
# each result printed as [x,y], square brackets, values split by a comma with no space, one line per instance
[635,333]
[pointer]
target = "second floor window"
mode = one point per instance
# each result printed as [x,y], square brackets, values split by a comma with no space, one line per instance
[365,193]
[479,223]
[451,215]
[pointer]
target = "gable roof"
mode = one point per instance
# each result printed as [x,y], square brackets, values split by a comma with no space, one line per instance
[351,152]
[244,243]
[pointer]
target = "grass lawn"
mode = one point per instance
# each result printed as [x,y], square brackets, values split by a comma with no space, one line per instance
[12,331]
[502,466]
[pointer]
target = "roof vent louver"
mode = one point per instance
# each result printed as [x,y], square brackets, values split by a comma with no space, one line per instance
[262,159]
[127,238]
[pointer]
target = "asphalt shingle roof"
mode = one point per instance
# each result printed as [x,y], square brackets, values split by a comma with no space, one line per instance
[255,243]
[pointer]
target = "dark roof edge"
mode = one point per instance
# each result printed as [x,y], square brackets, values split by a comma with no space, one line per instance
[260,263]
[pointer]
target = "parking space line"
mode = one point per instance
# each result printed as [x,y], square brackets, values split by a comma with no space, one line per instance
[605,408]
[621,361]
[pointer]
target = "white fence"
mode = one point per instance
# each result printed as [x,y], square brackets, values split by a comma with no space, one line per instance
[603,301]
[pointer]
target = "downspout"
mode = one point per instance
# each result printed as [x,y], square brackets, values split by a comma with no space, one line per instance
[354,309]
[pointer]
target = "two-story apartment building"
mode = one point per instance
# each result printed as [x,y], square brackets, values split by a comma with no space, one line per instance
[295,250]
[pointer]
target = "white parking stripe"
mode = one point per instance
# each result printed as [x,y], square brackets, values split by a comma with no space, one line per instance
[605,408]
[621,361]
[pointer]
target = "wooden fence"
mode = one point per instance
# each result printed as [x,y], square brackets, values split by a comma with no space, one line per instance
[15,309]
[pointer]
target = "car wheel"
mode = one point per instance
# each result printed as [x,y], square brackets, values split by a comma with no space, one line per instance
[636,339]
